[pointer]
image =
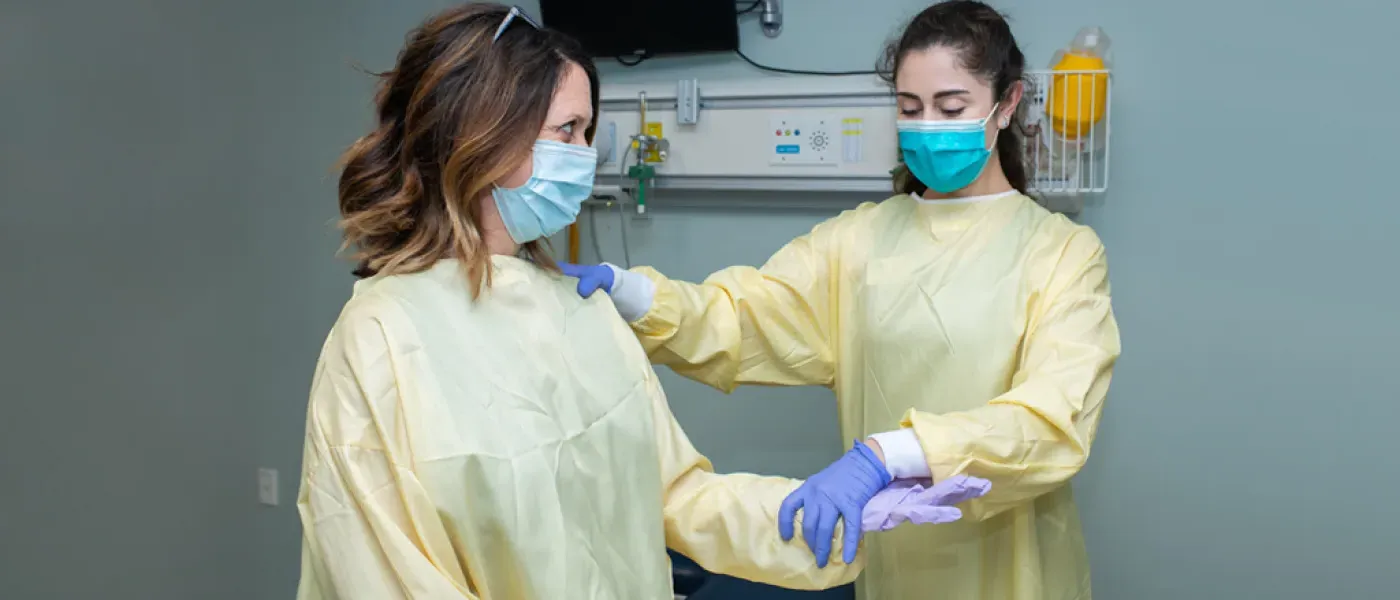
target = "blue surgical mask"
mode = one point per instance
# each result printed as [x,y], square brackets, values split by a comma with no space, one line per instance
[560,180]
[946,155]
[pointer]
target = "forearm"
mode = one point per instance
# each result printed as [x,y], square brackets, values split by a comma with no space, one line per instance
[1033,438]
[1021,452]
[740,326]
[728,525]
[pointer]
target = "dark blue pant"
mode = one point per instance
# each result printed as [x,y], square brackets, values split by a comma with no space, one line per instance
[692,580]
[719,587]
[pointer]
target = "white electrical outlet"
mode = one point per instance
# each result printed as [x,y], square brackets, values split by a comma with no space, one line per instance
[267,486]
[804,140]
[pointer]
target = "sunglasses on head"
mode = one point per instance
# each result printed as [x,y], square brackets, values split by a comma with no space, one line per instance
[510,18]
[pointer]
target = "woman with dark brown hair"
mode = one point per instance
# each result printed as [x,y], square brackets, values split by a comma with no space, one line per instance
[477,430]
[964,329]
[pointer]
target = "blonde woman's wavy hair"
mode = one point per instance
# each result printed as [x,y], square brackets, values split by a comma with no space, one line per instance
[460,110]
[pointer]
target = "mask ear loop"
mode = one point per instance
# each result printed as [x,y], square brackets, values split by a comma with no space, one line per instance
[1003,122]
[988,118]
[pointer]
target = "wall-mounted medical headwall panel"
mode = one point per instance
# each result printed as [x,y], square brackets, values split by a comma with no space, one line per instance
[824,133]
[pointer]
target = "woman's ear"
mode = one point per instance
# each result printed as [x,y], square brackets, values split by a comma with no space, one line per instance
[1013,101]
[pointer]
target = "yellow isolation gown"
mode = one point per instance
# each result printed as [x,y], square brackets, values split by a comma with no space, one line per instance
[516,447]
[984,326]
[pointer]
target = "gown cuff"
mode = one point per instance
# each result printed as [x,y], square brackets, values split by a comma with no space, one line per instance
[632,293]
[904,457]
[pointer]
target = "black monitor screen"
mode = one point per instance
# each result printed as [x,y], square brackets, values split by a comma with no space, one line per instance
[646,27]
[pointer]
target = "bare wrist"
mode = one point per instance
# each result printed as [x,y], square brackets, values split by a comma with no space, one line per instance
[875,447]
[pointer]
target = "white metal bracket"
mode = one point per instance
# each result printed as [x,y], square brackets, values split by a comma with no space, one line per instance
[688,101]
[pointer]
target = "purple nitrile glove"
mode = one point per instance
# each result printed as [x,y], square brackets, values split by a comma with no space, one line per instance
[915,501]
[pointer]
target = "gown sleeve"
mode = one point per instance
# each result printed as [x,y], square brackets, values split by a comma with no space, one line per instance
[769,326]
[1033,438]
[370,530]
[728,524]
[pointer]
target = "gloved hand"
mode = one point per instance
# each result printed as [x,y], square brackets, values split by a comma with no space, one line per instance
[632,293]
[838,491]
[591,278]
[916,501]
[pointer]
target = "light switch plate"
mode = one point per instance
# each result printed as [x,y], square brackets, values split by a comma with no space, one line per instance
[267,486]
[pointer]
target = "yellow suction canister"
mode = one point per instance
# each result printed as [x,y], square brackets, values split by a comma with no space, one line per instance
[1076,101]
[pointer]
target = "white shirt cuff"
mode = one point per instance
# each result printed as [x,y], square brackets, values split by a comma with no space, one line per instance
[632,293]
[904,457]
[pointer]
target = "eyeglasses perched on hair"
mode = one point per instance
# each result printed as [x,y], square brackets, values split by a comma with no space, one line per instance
[510,18]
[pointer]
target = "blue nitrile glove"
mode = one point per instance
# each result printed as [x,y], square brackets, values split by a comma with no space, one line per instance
[591,278]
[632,293]
[838,491]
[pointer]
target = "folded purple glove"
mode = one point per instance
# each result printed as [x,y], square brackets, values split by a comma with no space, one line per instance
[915,501]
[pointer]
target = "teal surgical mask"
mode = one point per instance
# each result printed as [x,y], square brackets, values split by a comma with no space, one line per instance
[946,155]
[561,178]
